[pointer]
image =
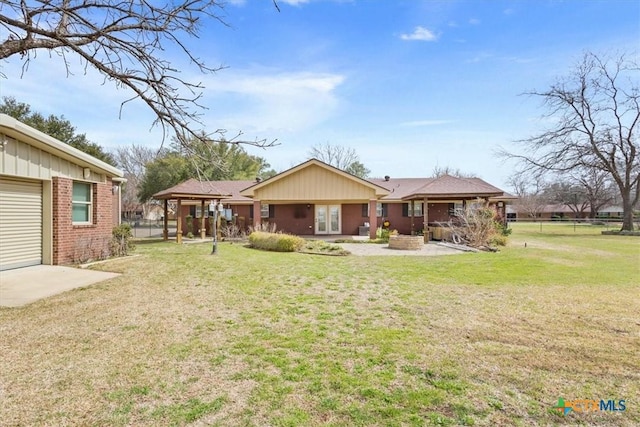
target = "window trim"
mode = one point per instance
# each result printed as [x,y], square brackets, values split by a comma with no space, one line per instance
[417,209]
[264,210]
[88,204]
[382,209]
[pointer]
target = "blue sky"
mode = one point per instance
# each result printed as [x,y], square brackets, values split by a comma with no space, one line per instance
[409,85]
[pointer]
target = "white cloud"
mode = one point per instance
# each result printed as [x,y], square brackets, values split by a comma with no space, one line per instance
[421,34]
[480,57]
[293,2]
[84,98]
[474,21]
[418,123]
[257,101]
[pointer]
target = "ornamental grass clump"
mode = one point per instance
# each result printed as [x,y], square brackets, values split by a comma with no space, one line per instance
[277,242]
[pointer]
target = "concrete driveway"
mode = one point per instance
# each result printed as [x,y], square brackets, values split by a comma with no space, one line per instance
[23,286]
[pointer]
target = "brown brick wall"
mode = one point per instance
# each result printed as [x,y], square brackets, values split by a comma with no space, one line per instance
[295,219]
[298,219]
[73,243]
[352,218]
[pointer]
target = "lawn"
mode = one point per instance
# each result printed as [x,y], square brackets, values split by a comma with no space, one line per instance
[250,338]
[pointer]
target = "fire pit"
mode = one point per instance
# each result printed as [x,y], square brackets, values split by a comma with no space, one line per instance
[407,243]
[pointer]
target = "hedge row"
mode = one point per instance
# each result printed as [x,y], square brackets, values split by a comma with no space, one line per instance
[275,241]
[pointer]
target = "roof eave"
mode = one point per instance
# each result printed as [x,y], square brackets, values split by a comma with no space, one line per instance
[449,195]
[190,196]
[16,129]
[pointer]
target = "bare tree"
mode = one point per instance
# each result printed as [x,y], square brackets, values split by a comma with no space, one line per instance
[343,158]
[439,171]
[530,190]
[570,194]
[596,115]
[124,41]
[133,161]
[598,189]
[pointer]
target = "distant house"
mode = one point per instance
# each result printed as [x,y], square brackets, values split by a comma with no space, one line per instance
[562,212]
[55,201]
[314,198]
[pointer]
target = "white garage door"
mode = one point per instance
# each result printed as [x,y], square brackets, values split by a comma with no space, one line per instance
[20,223]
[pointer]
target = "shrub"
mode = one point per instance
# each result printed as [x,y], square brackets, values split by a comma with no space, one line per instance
[503,229]
[476,226]
[232,231]
[499,240]
[382,234]
[275,241]
[90,248]
[263,226]
[121,243]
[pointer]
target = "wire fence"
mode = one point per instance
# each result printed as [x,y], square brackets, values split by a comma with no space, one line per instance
[594,221]
[604,223]
[149,228]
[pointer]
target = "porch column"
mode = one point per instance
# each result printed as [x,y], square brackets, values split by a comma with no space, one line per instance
[425,212]
[165,221]
[256,213]
[373,219]
[412,216]
[179,222]
[203,224]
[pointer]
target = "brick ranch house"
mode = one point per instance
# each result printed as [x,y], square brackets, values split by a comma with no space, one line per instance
[55,200]
[314,198]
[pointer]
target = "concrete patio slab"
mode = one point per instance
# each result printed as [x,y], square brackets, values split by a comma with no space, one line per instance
[372,249]
[23,286]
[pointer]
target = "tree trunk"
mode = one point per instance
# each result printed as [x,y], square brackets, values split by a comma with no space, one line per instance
[627,214]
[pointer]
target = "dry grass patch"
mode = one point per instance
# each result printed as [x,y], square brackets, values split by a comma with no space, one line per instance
[255,338]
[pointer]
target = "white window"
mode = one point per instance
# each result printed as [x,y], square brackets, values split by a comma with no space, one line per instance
[417,209]
[378,209]
[264,210]
[199,212]
[82,201]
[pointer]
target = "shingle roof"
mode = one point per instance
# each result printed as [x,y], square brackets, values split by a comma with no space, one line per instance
[399,188]
[445,185]
[193,188]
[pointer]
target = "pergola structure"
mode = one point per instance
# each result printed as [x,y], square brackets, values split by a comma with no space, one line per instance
[208,193]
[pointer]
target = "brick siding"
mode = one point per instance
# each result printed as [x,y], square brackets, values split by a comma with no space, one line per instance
[73,242]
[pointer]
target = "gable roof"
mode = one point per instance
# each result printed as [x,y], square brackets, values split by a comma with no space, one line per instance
[249,191]
[18,130]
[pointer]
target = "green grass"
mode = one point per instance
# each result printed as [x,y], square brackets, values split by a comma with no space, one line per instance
[252,338]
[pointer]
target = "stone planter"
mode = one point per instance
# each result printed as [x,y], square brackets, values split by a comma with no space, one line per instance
[407,243]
